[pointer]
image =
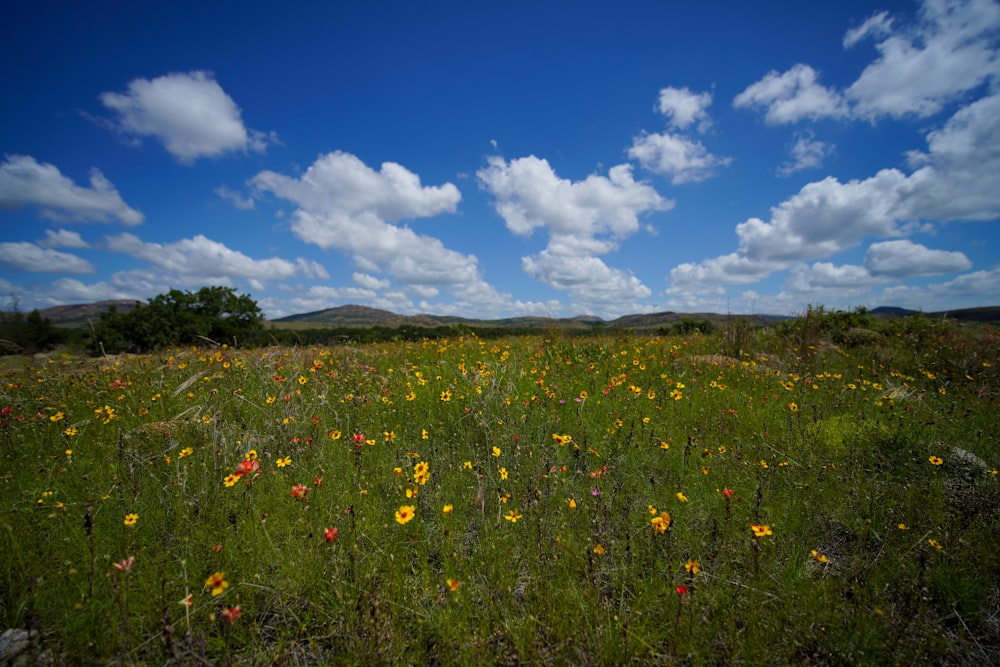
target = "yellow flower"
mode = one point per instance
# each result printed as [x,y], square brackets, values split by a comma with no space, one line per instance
[793,407]
[936,460]
[661,522]
[819,557]
[184,453]
[513,515]
[467,465]
[56,417]
[760,530]
[503,473]
[423,434]
[599,550]
[692,566]
[453,584]
[448,509]
[231,480]
[903,526]
[287,461]
[421,472]
[681,497]
[217,583]
[303,379]
[71,431]
[571,503]
[446,395]
[935,544]
[131,519]
[404,514]
[496,451]
[251,455]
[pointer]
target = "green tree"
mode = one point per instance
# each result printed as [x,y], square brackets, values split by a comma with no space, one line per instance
[212,314]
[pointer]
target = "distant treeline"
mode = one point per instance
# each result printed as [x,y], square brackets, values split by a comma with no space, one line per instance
[218,315]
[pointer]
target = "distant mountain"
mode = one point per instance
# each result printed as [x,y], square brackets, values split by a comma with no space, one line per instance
[351,315]
[78,315]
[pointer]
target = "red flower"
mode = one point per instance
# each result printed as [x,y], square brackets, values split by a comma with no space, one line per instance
[727,493]
[682,590]
[331,534]
[232,614]
[318,481]
[299,491]
[248,467]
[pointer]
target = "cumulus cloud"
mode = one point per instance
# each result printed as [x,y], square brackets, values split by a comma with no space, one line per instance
[807,153]
[957,180]
[26,182]
[189,113]
[966,290]
[345,205]
[201,257]
[583,219]
[62,238]
[950,51]
[235,198]
[30,257]
[683,159]
[905,259]
[683,108]
[792,96]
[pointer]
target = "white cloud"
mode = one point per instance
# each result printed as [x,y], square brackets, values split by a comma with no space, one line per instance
[807,153]
[583,218]
[959,175]
[62,238]
[26,182]
[684,160]
[189,113]
[201,257]
[967,290]
[30,257]
[792,96]
[345,205]
[878,25]
[370,282]
[905,259]
[951,51]
[235,198]
[684,108]
[805,278]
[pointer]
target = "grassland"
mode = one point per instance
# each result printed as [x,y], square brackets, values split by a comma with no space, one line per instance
[536,499]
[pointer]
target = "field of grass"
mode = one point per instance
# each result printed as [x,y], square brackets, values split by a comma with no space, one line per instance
[545,500]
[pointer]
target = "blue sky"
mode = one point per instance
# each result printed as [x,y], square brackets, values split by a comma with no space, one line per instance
[503,159]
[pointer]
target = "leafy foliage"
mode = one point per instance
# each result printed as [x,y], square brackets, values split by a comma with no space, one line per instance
[212,314]
[27,333]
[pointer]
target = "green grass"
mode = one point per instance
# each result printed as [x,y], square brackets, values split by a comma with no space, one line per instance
[877,555]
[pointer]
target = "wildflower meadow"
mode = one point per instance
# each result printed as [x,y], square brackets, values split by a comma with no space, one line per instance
[544,499]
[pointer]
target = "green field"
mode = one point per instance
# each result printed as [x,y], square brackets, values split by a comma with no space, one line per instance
[740,498]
